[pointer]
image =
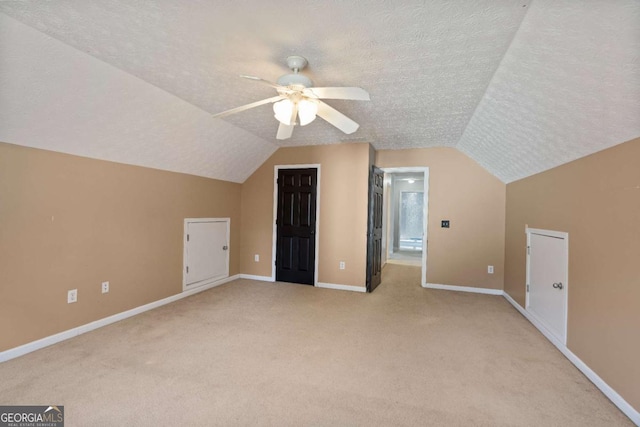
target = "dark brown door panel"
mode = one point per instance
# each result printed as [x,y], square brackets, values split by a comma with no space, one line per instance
[296,225]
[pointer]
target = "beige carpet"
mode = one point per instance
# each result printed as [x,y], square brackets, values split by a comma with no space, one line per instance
[255,353]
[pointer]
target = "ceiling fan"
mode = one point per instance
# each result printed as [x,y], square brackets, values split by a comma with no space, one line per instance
[298,99]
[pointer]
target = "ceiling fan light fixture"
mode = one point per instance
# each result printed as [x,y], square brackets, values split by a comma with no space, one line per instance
[297,97]
[307,111]
[283,110]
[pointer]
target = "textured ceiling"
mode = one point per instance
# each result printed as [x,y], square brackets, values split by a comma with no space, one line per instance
[56,98]
[568,87]
[519,86]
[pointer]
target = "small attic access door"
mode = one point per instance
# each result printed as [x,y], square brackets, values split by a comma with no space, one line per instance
[206,251]
[547,277]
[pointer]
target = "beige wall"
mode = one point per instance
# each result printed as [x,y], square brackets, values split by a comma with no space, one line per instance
[343,211]
[473,200]
[596,200]
[70,222]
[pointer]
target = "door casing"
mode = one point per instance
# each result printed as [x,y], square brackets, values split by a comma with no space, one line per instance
[274,247]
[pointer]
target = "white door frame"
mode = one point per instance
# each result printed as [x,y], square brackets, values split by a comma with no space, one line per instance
[274,240]
[425,211]
[565,280]
[188,221]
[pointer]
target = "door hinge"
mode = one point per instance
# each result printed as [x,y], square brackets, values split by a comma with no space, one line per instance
[187,269]
[528,250]
[527,288]
[187,237]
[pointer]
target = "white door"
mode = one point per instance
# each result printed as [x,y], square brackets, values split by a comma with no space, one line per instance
[547,289]
[206,255]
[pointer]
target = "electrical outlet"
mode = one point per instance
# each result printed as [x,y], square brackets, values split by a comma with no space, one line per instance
[105,287]
[72,296]
[256,258]
[490,269]
[342,265]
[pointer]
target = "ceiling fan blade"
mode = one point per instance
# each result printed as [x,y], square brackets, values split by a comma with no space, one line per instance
[336,118]
[284,131]
[267,82]
[248,106]
[353,93]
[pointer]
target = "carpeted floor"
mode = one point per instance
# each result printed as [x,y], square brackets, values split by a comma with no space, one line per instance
[256,353]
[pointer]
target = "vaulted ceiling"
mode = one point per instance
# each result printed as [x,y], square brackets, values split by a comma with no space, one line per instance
[519,86]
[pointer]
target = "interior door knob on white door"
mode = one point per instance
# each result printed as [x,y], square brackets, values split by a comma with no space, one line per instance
[557,285]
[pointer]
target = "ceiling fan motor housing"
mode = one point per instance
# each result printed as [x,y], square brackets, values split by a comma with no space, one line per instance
[294,79]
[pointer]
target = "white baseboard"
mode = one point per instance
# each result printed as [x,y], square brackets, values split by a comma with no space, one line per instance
[12,353]
[605,388]
[260,278]
[319,285]
[463,289]
[341,287]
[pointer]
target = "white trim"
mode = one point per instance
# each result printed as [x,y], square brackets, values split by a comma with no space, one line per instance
[558,235]
[605,388]
[341,287]
[537,323]
[254,277]
[12,353]
[471,289]
[274,237]
[527,271]
[425,238]
[550,233]
[188,286]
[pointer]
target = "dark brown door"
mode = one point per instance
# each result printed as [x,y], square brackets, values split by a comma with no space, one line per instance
[374,229]
[296,226]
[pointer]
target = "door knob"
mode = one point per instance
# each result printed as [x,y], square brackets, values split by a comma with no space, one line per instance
[225,247]
[557,285]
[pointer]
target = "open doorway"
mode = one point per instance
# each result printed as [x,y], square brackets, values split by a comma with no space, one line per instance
[405,217]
